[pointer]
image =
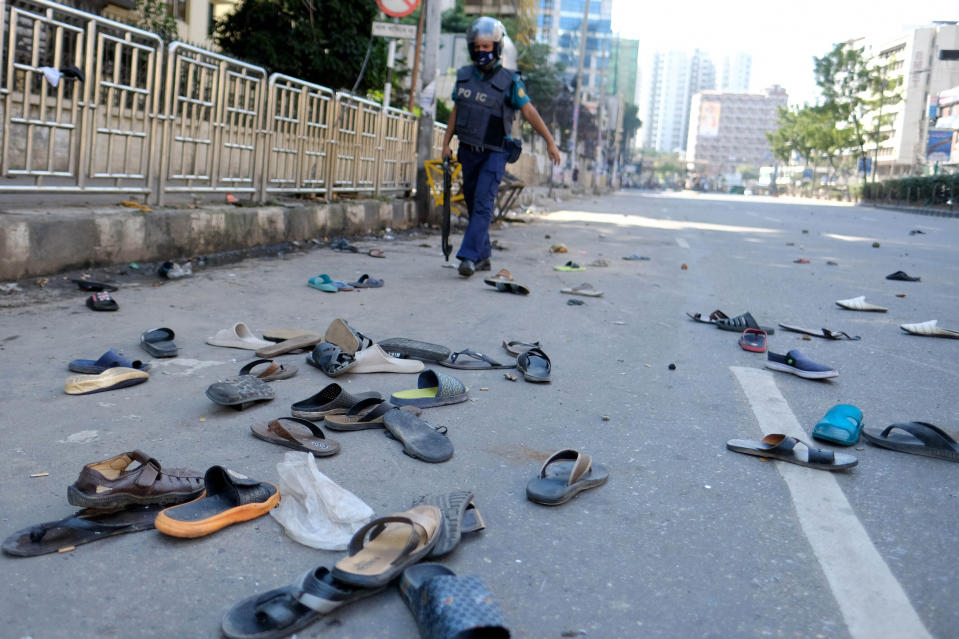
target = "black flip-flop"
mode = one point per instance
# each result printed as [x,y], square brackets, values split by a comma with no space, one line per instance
[902,276]
[82,528]
[713,317]
[446,605]
[824,333]
[420,439]
[740,323]
[91,285]
[922,439]
[535,365]
[467,359]
[563,476]
[159,342]
[783,447]
[283,611]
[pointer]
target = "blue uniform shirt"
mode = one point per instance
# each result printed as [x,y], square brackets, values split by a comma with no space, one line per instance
[517,91]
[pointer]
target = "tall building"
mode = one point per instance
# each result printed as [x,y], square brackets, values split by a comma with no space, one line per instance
[912,58]
[559,25]
[736,71]
[625,70]
[727,130]
[670,80]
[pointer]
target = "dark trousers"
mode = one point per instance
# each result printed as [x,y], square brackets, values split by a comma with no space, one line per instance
[482,172]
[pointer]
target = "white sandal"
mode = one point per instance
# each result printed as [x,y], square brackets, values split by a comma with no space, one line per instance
[860,304]
[930,329]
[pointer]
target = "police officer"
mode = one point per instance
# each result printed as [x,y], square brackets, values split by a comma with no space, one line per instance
[485,99]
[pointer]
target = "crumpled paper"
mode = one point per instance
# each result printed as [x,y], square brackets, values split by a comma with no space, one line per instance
[314,510]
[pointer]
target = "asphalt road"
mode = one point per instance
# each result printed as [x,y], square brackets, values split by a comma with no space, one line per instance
[686,539]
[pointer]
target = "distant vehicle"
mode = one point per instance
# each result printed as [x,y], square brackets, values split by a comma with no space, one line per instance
[737,190]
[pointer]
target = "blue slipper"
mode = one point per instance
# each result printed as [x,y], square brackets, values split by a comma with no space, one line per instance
[432,389]
[449,607]
[841,425]
[110,359]
[322,283]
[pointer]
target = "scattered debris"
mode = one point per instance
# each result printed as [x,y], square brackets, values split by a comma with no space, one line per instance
[684,267]
[484,388]
[832,263]
[174,271]
[574,302]
[43,281]
[875,244]
[801,260]
[231,199]
[67,549]
[510,377]
[637,256]
[900,294]
[805,231]
[10,287]
[605,418]
[672,367]
[425,245]
[558,248]
[790,244]
[917,232]
[547,236]
[806,338]
[600,262]
[40,475]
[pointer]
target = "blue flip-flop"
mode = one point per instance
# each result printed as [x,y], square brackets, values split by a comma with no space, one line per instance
[322,283]
[110,359]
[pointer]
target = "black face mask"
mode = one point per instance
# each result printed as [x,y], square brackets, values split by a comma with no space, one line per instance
[484,58]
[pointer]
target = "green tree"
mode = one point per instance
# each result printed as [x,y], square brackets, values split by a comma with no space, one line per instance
[748,171]
[455,20]
[325,43]
[155,16]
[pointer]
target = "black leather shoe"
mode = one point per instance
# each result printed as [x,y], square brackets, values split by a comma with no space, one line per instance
[467,268]
[483,265]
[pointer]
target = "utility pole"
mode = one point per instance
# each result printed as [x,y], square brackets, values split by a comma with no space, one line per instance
[424,134]
[390,64]
[584,32]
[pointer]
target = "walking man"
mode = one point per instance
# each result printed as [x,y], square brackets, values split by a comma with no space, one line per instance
[486,98]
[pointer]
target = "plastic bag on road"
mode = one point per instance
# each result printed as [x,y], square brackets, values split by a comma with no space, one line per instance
[314,510]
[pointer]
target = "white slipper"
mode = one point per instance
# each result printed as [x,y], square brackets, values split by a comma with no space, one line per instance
[860,304]
[930,328]
[240,336]
[374,359]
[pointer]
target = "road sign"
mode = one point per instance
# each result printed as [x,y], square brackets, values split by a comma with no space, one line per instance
[393,30]
[398,8]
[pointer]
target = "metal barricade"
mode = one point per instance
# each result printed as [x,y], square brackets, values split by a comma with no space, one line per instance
[355,136]
[298,121]
[95,134]
[211,122]
[398,168]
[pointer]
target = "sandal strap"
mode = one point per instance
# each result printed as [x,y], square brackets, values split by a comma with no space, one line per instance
[272,368]
[928,434]
[581,463]
[370,408]
[477,356]
[785,444]
[276,609]
[377,526]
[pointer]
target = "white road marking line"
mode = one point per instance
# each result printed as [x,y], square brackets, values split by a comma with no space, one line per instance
[872,602]
[682,242]
[772,219]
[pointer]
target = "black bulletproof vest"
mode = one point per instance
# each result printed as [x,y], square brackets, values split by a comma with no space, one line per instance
[483,117]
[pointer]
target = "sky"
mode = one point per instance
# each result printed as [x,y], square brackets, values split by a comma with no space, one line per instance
[783,38]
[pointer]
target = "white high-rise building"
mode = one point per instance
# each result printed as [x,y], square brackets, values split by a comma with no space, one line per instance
[669,80]
[736,71]
[913,59]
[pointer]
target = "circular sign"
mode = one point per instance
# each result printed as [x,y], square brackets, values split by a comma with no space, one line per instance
[398,8]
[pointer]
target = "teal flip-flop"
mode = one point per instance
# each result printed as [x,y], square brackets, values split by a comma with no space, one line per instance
[841,425]
[322,283]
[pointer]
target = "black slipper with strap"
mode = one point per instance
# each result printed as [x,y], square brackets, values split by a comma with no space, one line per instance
[467,359]
[563,476]
[312,440]
[922,439]
[795,451]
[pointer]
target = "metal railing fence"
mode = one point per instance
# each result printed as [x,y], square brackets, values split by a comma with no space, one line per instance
[159,120]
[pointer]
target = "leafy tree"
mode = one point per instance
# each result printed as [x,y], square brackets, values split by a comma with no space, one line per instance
[455,20]
[324,43]
[748,172]
[155,16]
[854,88]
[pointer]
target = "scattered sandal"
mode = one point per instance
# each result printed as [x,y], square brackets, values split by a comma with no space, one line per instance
[91,285]
[366,413]
[902,276]
[432,389]
[929,329]
[824,333]
[312,440]
[109,379]
[159,342]
[516,347]
[583,289]
[713,317]
[569,266]
[504,283]
[395,542]
[270,371]
[840,425]
[922,439]
[783,447]
[563,476]
[754,340]
[421,440]
[240,392]
[740,323]
[229,498]
[111,484]
[445,605]
[535,365]
[297,343]
[349,340]
[365,281]
[284,611]
[332,400]
[404,347]
[460,516]
[330,359]
[860,304]
[467,359]
[373,359]
[102,302]
[375,252]
[110,359]
[240,336]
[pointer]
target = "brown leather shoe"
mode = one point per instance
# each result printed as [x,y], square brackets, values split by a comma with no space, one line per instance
[109,485]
